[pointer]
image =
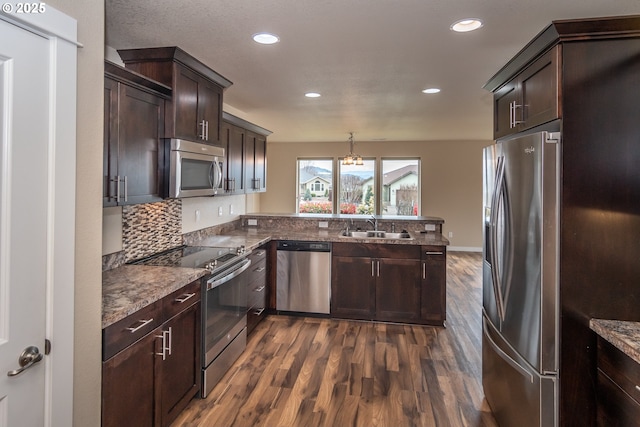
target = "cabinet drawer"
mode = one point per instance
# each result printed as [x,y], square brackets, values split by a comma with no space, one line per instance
[376,250]
[257,271]
[181,299]
[257,295]
[125,332]
[620,368]
[615,407]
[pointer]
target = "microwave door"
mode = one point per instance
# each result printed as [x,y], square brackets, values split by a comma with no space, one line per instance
[191,175]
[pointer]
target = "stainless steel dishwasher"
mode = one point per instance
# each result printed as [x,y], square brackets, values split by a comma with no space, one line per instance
[303,282]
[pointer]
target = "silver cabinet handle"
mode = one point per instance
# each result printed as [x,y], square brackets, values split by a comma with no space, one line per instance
[258,312]
[638,387]
[142,325]
[378,268]
[260,289]
[185,297]
[372,268]
[259,269]
[207,133]
[424,270]
[126,193]
[260,253]
[202,135]
[29,357]
[434,253]
[166,344]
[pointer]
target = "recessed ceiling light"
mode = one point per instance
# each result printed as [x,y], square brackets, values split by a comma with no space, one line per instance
[465,25]
[266,38]
[312,95]
[431,90]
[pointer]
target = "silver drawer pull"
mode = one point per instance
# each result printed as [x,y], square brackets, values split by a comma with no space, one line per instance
[260,289]
[258,312]
[260,253]
[638,387]
[434,253]
[185,297]
[142,325]
[259,270]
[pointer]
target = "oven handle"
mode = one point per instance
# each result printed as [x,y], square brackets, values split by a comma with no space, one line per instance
[244,265]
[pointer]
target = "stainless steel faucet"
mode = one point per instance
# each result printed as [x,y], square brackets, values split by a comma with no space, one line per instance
[373,221]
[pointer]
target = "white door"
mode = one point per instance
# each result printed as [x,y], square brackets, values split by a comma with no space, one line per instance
[24,165]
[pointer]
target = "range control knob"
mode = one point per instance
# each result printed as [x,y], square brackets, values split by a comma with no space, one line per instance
[240,249]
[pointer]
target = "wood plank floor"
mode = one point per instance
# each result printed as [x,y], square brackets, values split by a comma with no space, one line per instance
[322,372]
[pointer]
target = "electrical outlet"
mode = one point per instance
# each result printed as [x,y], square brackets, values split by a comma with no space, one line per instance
[252,222]
[430,227]
[323,224]
[219,210]
[451,234]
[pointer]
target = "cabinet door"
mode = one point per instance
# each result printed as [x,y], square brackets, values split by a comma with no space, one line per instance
[128,380]
[235,162]
[185,105]
[506,107]
[249,162]
[434,286]
[260,166]
[397,288]
[110,153]
[209,111]
[539,90]
[141,124]
[180,371]
[353,287]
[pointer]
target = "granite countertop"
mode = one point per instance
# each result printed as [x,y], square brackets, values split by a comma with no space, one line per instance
[129,288]
[624,335]
[251,238]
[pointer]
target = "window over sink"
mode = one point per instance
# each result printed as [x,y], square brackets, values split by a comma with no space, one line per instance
[386,186]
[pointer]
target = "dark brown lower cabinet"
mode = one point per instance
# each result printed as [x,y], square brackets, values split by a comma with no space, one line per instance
[152,380]
[618,387]
[128,380]
[388,283]
[434,285]
[257,288]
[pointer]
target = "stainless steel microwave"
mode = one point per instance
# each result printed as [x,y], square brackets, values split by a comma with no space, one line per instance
[195,169]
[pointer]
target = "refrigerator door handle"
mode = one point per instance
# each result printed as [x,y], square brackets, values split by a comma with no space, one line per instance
[515,365]
[493,222]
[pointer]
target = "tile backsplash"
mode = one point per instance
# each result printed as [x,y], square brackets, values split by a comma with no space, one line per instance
[151,227]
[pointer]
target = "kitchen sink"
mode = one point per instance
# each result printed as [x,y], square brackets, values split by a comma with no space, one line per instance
[376,235]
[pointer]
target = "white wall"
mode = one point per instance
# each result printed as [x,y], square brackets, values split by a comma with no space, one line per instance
[88,277]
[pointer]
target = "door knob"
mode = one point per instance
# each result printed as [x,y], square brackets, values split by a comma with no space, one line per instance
[29,357]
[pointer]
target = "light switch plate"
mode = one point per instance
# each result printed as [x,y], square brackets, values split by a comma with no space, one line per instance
[323,224]
[430,227]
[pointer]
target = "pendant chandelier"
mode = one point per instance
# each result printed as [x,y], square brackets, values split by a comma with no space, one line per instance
[352,159]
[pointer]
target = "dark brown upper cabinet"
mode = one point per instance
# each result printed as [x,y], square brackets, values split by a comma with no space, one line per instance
[195,111]
[134,111]
[246,146]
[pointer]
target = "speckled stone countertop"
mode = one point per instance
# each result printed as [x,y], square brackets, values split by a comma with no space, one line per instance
[129,288]
[622,334]
[252,238]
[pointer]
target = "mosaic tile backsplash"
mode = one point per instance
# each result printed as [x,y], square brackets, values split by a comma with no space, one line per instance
[151,227]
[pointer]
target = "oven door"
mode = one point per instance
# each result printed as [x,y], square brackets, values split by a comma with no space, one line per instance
[224,309]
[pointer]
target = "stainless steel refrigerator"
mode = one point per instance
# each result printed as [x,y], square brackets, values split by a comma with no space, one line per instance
[520,317]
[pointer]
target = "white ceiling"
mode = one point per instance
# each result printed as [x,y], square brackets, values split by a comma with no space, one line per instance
[369,59]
